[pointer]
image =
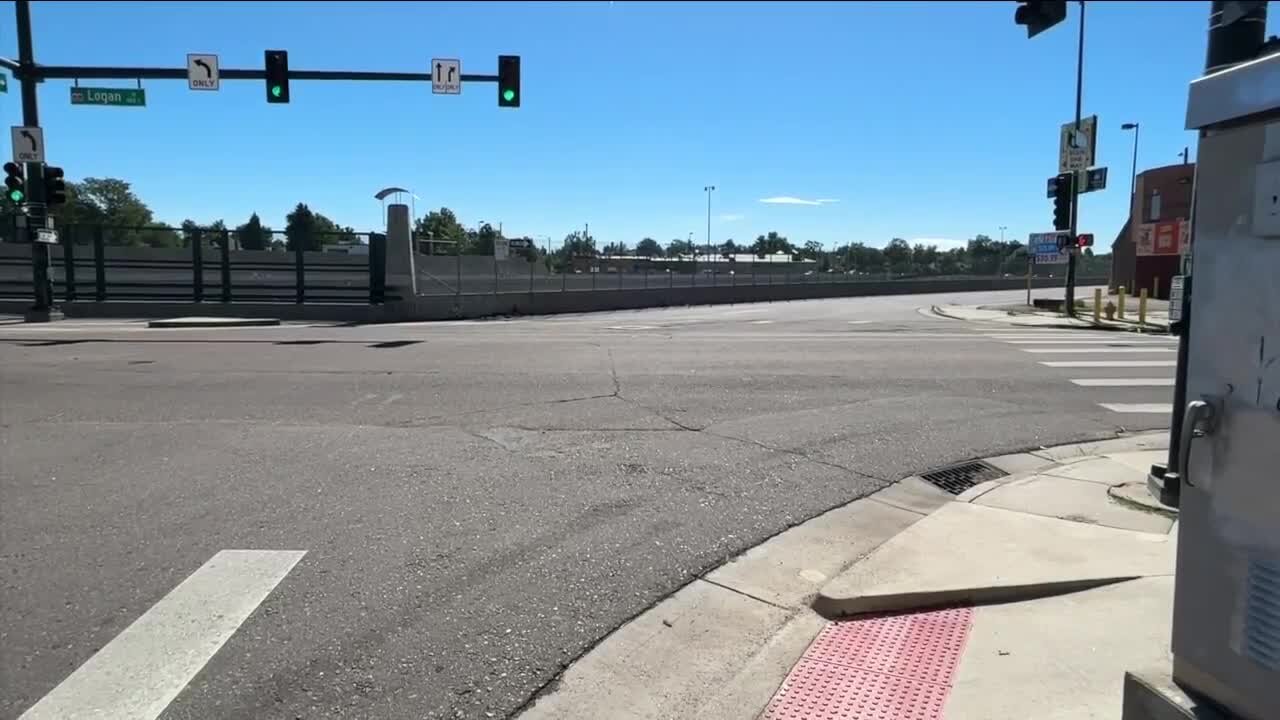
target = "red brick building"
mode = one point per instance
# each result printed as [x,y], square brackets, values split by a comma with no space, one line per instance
[1161,197]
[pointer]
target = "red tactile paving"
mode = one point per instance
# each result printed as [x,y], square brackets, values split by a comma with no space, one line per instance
[878,667]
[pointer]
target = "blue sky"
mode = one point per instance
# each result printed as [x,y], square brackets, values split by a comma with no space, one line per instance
[914,120]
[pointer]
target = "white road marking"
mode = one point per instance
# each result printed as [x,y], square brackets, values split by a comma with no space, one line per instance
[141,671]
[1086,342]
[1074,349]
[761,322]
[1142,408]
[1109,363]
[860,322]
[1124,382]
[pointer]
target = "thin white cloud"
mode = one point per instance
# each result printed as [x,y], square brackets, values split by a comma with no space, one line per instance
[730,217]
[941,243]
[789,200]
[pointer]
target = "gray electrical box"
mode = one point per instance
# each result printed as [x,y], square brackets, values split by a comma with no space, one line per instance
[1226,619]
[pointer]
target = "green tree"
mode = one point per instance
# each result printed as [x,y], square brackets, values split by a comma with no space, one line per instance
[952,262]
[442,227]
[924,259]
[252,235]
[811,250]
[771,244]
[302,229]
[111,203]
[898,254]
[649,248]
[616,248]
[729,248]
[678,247]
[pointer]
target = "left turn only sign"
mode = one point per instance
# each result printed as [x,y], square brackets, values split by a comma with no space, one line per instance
[202,71]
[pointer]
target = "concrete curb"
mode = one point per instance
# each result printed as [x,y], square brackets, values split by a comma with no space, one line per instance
[1149,329]
[213,322]
[836,608]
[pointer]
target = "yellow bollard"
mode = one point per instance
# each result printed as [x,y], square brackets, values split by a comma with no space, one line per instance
[1120,303]
[1142,307]
[1155,290]
[1097,305]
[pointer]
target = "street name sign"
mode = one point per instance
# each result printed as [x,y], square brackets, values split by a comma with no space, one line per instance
[202,71]
[118,97]
[28,144]
[446,76]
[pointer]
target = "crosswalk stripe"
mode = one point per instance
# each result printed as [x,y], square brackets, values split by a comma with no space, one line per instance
[1074,349]
[1140,408]
[1124,382]
[1108,363]
[141,671]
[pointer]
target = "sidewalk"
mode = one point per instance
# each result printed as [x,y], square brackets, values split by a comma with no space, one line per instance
[1026,596]
[1025,316]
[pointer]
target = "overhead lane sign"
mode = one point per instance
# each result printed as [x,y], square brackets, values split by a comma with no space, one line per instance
[446,76]
[202,71]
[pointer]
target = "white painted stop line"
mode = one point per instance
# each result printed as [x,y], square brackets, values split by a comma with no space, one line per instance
[1108,363]
[141,671]
[1124,382]
[1140,408]
[1074,349]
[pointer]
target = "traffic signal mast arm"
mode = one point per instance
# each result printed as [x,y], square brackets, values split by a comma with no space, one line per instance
[85,72]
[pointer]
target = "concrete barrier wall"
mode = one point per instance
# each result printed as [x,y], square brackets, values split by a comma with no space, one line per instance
[538,303]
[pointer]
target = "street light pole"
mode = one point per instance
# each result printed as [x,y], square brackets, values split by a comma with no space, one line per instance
[1133,170]
[709,189]
[1002,229]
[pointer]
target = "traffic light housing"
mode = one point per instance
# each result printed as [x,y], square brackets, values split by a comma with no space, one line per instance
[1062,193]
[277,74]
[1039,15]
[15,182]
[508,81]
[55,186]
[1084,240]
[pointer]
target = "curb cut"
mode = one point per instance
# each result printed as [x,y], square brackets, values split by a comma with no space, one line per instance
[837,608]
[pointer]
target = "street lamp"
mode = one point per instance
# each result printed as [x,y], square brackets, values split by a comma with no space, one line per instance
[1002,229]
[1133,172]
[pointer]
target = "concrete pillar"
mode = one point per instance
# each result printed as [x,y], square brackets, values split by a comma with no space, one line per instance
[400,269]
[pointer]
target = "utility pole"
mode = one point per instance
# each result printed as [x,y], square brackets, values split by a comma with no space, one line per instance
[37,211]
[1075,185]
[1186,154]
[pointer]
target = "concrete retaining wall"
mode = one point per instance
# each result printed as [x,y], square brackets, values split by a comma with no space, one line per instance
[539,303]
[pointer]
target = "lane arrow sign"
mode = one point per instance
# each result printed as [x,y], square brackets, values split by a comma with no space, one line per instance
[208,71]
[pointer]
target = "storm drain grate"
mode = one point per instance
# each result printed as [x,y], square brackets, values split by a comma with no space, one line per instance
[955,479]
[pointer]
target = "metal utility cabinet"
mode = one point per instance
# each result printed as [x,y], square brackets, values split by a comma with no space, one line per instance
[1226,619]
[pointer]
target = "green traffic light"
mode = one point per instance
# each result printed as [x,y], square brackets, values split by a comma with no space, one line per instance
[16,195]
[276,90]
[508,95]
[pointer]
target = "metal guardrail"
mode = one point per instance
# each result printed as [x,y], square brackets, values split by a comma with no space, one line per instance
[88,273]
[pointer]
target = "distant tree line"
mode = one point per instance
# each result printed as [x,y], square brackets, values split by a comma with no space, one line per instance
[128,221]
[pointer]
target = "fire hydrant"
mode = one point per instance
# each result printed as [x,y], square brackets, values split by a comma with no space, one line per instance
[1110,310]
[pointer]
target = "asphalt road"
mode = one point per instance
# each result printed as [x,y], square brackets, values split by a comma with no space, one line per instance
[478,502]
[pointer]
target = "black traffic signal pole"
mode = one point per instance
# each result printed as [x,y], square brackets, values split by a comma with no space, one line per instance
[28,74]
[36,210]
[1075,186]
